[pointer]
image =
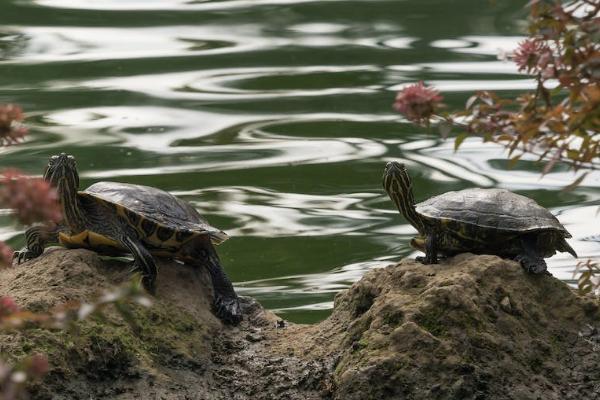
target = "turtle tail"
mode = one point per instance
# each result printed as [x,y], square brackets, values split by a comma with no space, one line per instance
[564,247]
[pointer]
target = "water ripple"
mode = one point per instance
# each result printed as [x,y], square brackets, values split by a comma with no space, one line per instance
[274,119]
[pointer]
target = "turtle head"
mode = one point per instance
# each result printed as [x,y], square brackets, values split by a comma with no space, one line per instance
[398,185]
[61,172]
[396,181]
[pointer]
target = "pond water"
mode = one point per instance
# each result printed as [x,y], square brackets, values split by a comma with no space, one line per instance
[274,119]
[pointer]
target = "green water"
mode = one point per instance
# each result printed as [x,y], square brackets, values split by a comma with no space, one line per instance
[274,119]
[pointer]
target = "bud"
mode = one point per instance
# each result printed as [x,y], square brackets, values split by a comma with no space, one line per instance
[11,130]
[7,306]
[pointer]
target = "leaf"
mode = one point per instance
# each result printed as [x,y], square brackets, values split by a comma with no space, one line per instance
[572,154]
[512,162]
[487,100]
[549,165]
[445,128]
[471,101]
[459,139]
[575,183]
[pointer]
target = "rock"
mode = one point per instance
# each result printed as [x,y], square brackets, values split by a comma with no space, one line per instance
[179,350]
[505,305]
[472,327]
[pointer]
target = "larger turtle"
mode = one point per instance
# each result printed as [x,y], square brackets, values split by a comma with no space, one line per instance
[116,218]
[482,221]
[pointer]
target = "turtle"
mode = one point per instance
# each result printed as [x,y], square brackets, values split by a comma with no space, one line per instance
[480,221]
[115,218]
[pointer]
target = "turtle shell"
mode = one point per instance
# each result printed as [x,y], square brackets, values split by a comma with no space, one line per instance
[496,209]
[153,211]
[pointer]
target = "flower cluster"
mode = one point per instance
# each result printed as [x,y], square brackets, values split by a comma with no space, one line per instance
[33,199]
[11,129]
[417,102]
[535,56]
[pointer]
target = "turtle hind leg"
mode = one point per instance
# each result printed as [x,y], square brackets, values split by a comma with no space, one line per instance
[226,304]
[530,259]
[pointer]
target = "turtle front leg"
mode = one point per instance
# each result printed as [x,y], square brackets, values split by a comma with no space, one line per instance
[142,260]
[431,256]
[226,304]
[530,260]
[36,237]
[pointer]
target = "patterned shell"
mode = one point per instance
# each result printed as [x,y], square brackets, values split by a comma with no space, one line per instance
[496,209]
[156,205]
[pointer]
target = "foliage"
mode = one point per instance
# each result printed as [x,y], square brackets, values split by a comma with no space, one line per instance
[588,279]
[35,201]
[559,121]
[13,378]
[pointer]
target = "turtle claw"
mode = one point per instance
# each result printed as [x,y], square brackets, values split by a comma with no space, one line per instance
[228,309]
[149,285]
[23,255]
[425,260]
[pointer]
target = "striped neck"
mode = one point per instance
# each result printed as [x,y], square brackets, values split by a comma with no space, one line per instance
[398,186]
[71,207]
[61,173]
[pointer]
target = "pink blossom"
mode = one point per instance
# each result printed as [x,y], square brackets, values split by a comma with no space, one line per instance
[7,306]
[33,199]
[6,255]
[534,55]
[37,365]
[417,102]
[11,130]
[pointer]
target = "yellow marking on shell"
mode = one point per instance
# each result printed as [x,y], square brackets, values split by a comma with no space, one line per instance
[418,243]
[164,248]
[87,239]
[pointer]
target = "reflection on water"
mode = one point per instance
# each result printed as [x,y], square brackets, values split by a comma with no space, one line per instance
[273,118]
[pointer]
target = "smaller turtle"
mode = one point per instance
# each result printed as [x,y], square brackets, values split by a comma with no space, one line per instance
[116,218]
[481,221]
